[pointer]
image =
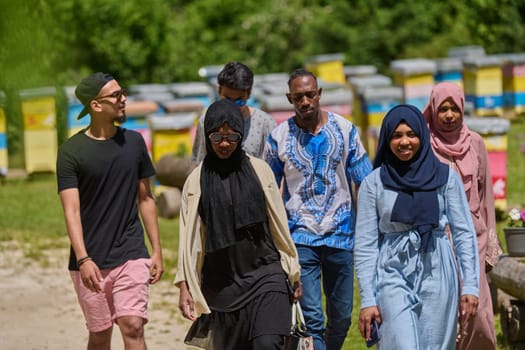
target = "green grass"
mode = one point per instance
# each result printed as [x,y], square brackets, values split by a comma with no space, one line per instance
[516,163]
[31,216]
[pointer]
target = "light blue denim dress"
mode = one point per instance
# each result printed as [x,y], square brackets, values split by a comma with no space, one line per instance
[417,293]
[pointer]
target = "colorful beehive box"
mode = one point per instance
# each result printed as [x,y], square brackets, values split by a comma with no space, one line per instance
[482,81]
[74,125]
[358,86]
[449,69]
[159,93]
[469,51]
[201,91]
[358,71]
[3,136]
[514,83]
[277,106]
[416,77]
[337,98]
[172,133]
[40,134]
[136,118]
[327,67]
[494,132]
[376,102]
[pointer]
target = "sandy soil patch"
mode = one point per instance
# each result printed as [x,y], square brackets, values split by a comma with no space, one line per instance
[39,309]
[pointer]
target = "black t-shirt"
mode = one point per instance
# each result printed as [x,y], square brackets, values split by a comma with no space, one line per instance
[106,173]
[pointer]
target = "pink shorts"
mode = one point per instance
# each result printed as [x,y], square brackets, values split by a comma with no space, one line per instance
[124,293]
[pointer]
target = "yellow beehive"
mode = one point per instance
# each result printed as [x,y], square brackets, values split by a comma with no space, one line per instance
[171,134]
[40,150]
[329,68]
[415,79]
[483,80]
[40,134]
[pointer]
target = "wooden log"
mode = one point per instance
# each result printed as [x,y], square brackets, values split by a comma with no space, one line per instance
[503,300]
[509,276]
[168,203]
[172,170]
[512,317]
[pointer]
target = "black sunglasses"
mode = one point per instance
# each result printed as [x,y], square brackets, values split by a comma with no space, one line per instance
[115,94]
[217,137]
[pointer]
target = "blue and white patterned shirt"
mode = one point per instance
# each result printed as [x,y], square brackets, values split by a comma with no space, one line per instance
[318,171]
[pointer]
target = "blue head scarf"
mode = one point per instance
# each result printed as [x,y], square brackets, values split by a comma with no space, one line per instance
[415,180]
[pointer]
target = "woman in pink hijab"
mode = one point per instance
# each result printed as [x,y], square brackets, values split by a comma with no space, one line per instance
[455,144]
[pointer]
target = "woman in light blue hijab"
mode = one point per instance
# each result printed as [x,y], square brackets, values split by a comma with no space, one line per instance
[407,273]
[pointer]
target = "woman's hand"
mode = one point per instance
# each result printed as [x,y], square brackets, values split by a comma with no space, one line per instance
[365,318]
[297,291]
[468,309]
[186,304]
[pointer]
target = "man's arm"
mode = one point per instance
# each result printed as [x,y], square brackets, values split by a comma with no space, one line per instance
[270,155]
[148,213]
[89,271]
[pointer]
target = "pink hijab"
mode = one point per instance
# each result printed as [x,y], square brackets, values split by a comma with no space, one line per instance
[453,146]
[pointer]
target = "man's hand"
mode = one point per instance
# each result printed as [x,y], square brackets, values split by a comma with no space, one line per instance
[91,276]
[156,269]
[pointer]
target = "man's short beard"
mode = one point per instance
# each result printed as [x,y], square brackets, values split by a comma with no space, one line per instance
[122,119]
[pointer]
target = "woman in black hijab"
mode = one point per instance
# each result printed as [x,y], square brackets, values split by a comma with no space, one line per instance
[236,258]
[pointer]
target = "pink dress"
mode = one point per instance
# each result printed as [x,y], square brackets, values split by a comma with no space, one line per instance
[480,332]
[464,150]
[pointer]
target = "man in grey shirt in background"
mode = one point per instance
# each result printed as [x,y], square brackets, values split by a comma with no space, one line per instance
[235,83]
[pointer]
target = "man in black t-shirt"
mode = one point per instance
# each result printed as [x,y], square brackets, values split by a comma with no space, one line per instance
[103,176]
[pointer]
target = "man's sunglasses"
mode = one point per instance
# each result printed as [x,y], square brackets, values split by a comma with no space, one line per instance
[115,94]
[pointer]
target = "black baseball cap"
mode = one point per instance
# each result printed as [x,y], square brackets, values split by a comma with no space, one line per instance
[89,88]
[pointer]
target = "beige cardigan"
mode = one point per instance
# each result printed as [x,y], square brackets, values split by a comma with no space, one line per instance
[192,232]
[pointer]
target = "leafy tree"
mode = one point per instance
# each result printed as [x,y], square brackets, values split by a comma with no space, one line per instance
[128,38]
[499,25]
[56,42]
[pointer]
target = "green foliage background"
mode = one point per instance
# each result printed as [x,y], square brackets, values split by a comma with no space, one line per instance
[57,42]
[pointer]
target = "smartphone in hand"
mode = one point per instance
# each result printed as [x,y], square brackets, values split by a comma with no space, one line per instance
[374,334]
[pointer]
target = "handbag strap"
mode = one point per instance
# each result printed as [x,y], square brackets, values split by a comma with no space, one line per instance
[300,313]
[297,311]
[294,314]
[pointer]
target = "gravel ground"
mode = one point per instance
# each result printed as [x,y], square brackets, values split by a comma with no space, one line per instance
[39,309]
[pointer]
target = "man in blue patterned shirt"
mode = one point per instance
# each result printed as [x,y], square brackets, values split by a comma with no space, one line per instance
[316,155]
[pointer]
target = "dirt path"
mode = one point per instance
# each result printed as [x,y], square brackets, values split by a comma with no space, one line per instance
[39,310]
